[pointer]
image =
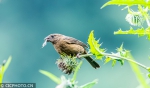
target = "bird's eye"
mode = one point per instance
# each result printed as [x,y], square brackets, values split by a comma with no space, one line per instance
[52,36]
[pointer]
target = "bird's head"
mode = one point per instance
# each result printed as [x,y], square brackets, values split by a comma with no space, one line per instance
[53,38]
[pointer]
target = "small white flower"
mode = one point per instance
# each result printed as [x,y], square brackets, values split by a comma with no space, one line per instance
[66,83]
[63,82]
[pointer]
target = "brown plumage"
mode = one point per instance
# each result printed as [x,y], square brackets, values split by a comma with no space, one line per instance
[70,46]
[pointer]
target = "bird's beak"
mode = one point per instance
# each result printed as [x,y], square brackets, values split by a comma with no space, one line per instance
[47,39]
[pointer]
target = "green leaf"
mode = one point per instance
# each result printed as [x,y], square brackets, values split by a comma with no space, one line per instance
[95,47]
[140,32]
[138,74]
[127,52]
[107,60]
[121,48]
[121,51]
[113,63]
[148,69]
[4,67]
[7,63]
[127,3]
[1,73]
[90,84]
[149,75]
[51,76]
[148,33]
[121,61]
[76,71]
[148,37]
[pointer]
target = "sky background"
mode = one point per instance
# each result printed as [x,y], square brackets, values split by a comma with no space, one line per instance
[25,23]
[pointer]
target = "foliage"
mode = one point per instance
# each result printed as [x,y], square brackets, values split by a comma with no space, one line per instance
[95,47]
[135,18]
[3,68]
[67,83]
[51,76]
[90,84]
[121,55]
[140,32]
[144,3]
[149,75]
[138,74]
[96,50]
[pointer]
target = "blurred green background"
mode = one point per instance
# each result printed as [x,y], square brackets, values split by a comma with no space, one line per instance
[25,23]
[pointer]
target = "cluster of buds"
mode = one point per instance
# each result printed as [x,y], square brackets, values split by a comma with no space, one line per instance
[67,64]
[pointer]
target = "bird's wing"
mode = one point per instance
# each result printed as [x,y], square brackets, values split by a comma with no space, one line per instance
[71,40]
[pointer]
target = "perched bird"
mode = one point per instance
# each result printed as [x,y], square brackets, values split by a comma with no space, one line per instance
[69,46]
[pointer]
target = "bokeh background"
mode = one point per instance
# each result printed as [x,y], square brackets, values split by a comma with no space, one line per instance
[25,23]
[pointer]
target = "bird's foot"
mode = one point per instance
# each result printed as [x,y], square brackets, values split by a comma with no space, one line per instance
[78,55]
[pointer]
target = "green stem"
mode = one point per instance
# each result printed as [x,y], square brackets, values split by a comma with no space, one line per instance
[115,56]
[138,74]
[76,71]
[86,55]
[135,62]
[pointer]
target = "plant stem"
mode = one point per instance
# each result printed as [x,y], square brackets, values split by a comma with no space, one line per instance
[138,74]
[128,59]
[85,55]
[76,71]
[118,57]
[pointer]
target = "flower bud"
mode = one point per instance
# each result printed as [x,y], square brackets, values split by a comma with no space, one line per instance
[67,64]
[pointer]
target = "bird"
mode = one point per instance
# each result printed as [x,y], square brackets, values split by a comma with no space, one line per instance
[70,46]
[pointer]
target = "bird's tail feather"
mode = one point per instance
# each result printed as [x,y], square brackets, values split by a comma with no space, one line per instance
[92,62]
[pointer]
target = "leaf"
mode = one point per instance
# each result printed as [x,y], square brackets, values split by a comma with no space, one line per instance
[131,30]
[95,47]
[90,84]
[121,61]
[148,37]
[149,75]
[51,76]
[113,63]
[7,63]
[4,67]
[138,74]
[121,48]
[107,60]
[140,32]
[127,2]
[75,72]
[148,69]
[148,33]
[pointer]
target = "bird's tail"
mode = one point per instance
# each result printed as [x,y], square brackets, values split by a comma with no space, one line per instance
[92,62]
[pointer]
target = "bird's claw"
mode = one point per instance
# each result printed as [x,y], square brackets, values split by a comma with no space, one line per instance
[78,55]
